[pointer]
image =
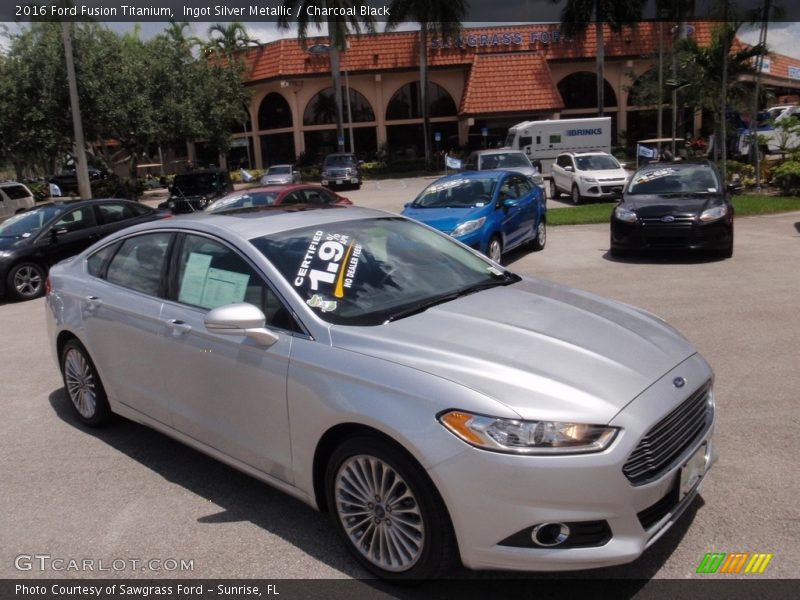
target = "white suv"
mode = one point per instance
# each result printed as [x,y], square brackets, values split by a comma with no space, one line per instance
[587,175]
[14,197]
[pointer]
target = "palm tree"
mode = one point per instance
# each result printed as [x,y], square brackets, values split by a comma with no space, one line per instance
[227,40]
[576,16]
[435,17]
[338,28]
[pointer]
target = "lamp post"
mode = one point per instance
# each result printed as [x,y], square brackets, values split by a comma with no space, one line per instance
[84,188]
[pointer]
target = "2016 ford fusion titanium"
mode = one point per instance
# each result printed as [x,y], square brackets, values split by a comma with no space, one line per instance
[438,406]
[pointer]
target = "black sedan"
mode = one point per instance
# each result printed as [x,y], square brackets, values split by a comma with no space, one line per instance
[32,241]
[674,206]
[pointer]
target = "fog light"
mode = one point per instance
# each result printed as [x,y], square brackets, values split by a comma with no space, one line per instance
[550,534]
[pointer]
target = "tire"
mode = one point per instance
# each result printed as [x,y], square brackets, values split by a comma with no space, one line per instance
[540,238]
[410,518]
[575,195]
[554,193]
[495,249]
[83,385]
[25,281]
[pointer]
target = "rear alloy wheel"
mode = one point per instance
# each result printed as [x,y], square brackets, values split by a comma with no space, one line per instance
[26,281]
[554,193]
[540,239]
[83,385]
[576,195]
[387,510]
[495,249]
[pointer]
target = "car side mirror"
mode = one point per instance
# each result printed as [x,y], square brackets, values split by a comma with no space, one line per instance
[537,164]
[240,319]
[510,203]
[57,233]
[731,188]
[569,168]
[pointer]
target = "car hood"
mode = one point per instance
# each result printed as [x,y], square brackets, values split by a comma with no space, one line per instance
[658,205]
[543,350]
[444,219]
[12,243]
[605,174]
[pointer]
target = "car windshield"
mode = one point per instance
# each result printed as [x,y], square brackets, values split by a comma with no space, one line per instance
[30,222]
[698,179]
[502,161]
[247,200]
[196,183]
[370,271]
[283,170]
[334,160]
[597,162]
[457,193]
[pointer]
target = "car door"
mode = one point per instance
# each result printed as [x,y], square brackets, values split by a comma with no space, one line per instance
[73,232]
[118,215]
[227,392]
[527,200]
[512,216]
[122,322]
[560,173]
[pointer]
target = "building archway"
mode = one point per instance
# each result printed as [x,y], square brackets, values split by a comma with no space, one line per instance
[274,112]
[404,130]
[321,110]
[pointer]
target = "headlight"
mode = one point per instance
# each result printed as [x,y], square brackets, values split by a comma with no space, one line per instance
[714,213]
[468,227]
[589,179]
[527,437]
[538,180]
[623,214]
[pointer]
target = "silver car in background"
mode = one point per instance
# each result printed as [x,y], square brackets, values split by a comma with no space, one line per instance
[280,175]
[438,406]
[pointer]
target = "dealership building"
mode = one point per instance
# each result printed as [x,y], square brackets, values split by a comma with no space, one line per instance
[481,83]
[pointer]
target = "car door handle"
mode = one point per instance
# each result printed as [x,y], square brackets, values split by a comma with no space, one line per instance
[179,327]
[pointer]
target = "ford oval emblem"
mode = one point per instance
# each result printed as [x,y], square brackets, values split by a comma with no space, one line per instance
[667,219]
[679,382]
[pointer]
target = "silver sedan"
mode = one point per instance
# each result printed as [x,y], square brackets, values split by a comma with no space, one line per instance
[438,406]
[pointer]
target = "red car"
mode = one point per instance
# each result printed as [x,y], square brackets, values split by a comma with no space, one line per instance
[276,194]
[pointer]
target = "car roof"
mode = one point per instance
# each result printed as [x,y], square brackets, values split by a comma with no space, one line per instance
[677,164]
[249,223]
[587,153]
[498,151]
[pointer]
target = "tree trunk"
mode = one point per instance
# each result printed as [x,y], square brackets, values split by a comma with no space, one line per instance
[337,95]
[423,91]
[601,76]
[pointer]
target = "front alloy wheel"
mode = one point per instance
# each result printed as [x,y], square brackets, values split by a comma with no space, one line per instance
[26,281]
[554,193]
[387,510]
[540,239]
[576,195]
[495,249]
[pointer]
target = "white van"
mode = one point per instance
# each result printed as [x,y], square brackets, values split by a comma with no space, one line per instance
[14,197]
[544,140]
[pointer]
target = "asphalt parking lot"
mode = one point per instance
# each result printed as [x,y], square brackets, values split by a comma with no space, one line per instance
[127,493]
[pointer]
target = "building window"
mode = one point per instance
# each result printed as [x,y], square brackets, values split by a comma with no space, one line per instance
[321,110]
[406,104]
[274,112]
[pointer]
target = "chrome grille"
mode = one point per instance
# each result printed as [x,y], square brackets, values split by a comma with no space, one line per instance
[666,442]
[658,223]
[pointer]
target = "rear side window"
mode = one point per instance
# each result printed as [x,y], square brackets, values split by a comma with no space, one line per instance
[96,263]
[15,192]
[118,211]
[139,263]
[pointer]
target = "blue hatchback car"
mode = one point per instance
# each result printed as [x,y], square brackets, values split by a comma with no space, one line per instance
[491,211]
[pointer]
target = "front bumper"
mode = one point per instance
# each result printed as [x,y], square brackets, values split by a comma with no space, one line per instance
[717,235]
[492,496]
[602,189]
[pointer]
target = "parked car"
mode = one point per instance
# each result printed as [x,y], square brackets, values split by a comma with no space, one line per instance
[67,180]
[271,195]
[193,190]
[584,175]
[14,198]
[341,169]
[510,160]
[675,205]
[280,175]
[32,241]
[437,405]
[491,211]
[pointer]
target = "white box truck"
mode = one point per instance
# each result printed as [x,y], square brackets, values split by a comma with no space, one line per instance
[544,140]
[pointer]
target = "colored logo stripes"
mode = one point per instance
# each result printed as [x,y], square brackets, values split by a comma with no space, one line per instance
[735,562]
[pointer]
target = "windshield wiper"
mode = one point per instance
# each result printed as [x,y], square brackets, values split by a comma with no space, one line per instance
[498,278]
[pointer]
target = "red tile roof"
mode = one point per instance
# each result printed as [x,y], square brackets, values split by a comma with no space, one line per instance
[523,82]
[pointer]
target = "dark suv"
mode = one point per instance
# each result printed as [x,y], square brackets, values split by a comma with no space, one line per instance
[340,170]
[192,191]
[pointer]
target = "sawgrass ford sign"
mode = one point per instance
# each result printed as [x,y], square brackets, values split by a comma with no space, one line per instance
[511,38]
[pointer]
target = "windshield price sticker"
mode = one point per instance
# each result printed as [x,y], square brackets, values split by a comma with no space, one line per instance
[331,260]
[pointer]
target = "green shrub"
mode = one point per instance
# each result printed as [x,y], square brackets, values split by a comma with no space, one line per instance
[787,177]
